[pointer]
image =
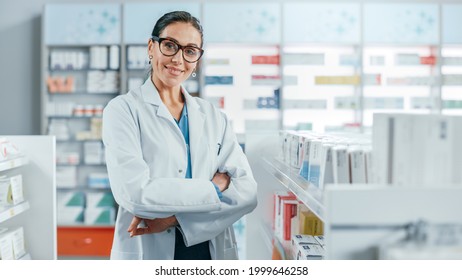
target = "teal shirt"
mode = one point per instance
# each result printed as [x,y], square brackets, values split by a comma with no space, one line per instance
[183,124]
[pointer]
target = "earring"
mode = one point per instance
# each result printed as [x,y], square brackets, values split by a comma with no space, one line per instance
[150,57]
[194,73]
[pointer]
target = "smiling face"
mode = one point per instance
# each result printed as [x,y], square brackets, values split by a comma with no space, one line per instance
[171,71]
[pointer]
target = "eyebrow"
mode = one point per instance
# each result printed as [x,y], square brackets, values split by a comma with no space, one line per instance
[176,41]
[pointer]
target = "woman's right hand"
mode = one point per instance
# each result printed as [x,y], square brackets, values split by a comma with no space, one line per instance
[222,181]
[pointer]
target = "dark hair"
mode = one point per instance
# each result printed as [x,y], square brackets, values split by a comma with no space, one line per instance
[177,16]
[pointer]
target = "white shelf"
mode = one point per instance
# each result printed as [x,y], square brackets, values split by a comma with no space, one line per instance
[10,212]
[305,192]
[13,163]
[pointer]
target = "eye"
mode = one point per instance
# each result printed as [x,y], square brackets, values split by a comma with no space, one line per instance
[191,51]
[169,45]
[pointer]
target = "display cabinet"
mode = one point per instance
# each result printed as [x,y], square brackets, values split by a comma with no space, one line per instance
[28,216]
[81,72]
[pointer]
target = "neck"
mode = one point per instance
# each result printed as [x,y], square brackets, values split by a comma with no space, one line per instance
[168,95]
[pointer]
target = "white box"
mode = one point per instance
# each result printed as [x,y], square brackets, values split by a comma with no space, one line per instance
[114,57]
[294,143]
[68,199]
[401,149]
[6,247]
[340,165]
[98,180]
[70,215]
[327,173]
[11,190]
[357,165]
[381,148]
[315,162]
[320,240]
[19,247]
[303,239]
[66,177]
[99,216]
[93,152]
[99,199]
[368,163]
[310,252]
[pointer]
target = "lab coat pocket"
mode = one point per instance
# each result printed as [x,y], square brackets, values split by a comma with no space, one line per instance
[117,255]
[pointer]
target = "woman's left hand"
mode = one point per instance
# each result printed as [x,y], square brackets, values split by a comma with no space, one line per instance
[152,226]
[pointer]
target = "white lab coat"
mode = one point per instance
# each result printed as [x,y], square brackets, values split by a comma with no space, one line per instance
[147,161]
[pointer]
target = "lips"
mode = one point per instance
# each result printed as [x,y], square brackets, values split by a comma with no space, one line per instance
[174,71]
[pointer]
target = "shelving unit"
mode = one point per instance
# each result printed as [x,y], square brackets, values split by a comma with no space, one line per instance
[37,213]
[244,82]
[322,86]
[405,80]
[82,71]
[242,63]
[359,219]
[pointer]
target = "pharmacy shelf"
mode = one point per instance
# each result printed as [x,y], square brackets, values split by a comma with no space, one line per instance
[305,192]
[9,212]
[13,163]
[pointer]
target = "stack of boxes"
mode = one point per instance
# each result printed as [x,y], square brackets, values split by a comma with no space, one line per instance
[327,158]
[90,208]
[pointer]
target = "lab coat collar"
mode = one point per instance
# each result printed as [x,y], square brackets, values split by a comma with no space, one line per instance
[196,118]
[151,95]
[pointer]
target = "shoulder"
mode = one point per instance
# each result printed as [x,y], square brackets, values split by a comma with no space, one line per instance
[125,103]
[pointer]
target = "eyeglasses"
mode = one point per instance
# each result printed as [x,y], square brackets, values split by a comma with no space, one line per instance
[168,47]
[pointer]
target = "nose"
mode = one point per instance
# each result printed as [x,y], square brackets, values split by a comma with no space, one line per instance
[178,57]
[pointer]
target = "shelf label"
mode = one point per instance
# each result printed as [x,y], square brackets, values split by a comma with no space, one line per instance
[12,212]
[265,59]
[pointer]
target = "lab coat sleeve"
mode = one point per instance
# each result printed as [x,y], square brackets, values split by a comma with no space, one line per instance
[200,227]
[132,186]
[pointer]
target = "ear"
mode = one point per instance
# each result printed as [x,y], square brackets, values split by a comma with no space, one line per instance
[150,47]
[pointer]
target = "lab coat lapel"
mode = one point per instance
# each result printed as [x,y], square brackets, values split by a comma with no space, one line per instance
[196,127]
[151,96]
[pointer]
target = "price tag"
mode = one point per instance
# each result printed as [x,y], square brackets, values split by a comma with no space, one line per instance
[11,212]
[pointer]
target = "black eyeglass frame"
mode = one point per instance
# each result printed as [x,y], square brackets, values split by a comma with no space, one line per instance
[180,47]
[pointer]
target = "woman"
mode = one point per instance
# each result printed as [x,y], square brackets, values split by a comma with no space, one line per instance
[175,167]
